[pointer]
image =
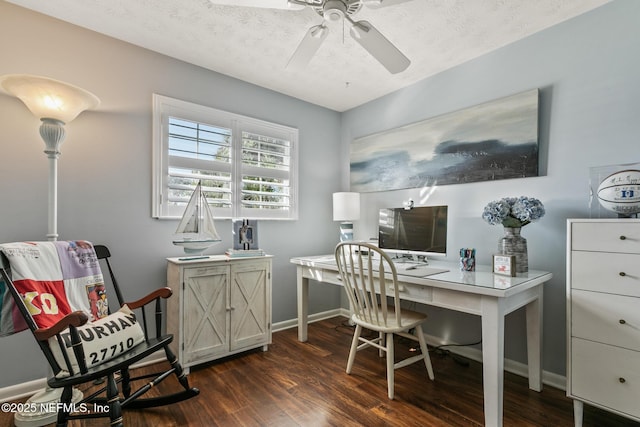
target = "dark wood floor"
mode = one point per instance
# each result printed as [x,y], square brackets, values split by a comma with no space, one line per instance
[305,384]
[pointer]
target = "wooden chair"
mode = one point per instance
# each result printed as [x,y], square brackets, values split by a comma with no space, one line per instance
[363,268]
[115,371]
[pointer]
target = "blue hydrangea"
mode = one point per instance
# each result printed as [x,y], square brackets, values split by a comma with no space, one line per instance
[513,211]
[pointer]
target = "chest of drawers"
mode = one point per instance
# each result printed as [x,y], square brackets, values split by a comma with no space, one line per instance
[603,315]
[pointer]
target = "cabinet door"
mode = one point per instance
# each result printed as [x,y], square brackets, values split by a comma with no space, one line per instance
[250,304]
[205,312]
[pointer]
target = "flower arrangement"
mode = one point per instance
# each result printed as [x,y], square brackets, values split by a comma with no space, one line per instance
[513,211]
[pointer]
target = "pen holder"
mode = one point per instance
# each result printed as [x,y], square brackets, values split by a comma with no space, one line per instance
[467,259]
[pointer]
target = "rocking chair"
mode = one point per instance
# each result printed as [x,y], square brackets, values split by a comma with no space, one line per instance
[66,345]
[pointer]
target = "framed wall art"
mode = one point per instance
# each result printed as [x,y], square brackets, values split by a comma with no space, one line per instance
[491,141]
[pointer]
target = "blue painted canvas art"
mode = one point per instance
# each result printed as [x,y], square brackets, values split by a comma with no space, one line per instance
[491,141]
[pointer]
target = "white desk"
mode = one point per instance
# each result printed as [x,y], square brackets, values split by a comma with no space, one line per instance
[482,293]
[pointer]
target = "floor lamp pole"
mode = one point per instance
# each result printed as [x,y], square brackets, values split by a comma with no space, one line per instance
[53,133]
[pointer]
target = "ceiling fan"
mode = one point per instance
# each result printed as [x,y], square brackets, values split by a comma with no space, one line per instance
[334,11]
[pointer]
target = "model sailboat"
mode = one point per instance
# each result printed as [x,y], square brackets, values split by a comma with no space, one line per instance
[196,231]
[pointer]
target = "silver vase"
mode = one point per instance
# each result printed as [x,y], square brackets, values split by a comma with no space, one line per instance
[514,244]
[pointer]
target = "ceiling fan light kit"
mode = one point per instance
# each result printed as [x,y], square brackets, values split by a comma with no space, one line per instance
[332,11]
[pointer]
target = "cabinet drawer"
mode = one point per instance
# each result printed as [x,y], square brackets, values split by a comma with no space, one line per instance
[620,236]
[606,272]
[607,318]
[606,375]
[205,271]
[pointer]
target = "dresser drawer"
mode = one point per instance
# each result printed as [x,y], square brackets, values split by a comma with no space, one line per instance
[607,318]
[620,236]
[613,273]
[606,375]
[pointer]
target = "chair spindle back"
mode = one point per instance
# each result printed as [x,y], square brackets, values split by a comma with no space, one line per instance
[370,279]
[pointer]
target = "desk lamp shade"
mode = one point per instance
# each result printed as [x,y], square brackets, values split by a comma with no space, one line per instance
[346,208]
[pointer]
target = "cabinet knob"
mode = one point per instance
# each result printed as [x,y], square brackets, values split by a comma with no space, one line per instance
[623,237]
[622,273]
[622,321]
[622,380]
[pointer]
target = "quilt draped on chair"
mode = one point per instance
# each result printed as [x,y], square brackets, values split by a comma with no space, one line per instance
[54,279]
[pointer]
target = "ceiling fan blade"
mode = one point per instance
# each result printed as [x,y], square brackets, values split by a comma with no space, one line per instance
[379,47]
[376,4]
[265,4]
[308,47]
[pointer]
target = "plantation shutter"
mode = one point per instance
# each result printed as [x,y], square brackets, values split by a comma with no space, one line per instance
[247,167]
[265,190]
[199,152]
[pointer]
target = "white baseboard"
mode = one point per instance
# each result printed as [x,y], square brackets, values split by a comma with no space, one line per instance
[293,323]
[19,391]
[29,388]
[518,368]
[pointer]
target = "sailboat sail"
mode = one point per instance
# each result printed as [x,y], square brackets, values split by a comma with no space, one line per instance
[196,230]
[208,228]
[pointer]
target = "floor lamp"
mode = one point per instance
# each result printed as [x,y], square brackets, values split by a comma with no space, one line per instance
[54,103]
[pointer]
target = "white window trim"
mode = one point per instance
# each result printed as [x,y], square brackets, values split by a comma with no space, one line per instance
[165,107]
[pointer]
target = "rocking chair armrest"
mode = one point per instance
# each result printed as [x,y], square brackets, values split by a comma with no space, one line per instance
[77,318]
[165,293]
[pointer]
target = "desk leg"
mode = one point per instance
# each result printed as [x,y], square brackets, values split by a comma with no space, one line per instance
[534,342]
[303,305]
[492,360]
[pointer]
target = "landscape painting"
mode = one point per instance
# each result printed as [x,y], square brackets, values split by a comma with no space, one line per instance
[491,141]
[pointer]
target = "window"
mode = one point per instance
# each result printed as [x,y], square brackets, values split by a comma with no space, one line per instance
[247,167]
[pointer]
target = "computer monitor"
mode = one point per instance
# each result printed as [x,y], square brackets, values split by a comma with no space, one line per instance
[418,231]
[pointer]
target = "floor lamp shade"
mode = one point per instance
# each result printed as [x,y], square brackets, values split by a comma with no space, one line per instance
[346,208]
[47,98]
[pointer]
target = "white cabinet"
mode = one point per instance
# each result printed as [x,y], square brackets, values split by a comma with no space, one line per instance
[603,315]
[220,306]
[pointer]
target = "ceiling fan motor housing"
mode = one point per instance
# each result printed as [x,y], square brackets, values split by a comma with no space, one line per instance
[336,10]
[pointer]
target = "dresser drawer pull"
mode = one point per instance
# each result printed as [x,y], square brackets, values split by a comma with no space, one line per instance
[622,321]
[622,380]
[622,273]
[623,237]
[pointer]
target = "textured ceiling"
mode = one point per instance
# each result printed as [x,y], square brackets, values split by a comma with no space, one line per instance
[254,44]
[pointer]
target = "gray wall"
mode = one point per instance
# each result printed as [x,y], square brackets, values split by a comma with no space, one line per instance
[587,70]
[105,166]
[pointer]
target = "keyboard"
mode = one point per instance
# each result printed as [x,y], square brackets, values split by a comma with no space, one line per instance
[403,268]
[417,270]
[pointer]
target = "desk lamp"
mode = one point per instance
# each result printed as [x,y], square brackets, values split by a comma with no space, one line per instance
[346,208]
[54,103]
